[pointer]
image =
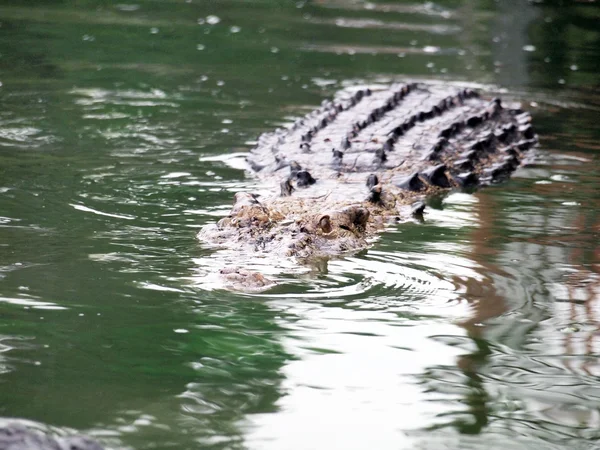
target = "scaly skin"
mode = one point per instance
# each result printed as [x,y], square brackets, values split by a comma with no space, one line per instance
[15,436]
[366,159]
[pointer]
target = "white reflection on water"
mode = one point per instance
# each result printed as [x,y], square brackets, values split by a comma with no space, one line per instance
[102,95]
[23,134]
[350,384]
[345,22]
[101,213]
[379,49]
[235,160]
[426,8]
[31,302]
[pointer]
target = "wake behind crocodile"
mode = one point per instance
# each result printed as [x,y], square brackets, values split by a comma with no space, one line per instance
[364,160]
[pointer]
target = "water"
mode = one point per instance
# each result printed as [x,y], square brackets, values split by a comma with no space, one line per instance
[122,131]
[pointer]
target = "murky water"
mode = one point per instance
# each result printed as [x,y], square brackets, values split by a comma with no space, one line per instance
[123,128]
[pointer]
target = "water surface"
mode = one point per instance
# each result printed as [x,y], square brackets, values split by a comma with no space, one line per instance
[123,128]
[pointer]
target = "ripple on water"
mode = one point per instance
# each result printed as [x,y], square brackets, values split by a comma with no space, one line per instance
[377,275]
[353,365]
[340,49]
[364,23]
[24,137]
[32,302]
[101,213]
[130,97]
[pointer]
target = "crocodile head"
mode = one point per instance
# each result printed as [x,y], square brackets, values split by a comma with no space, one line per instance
[302,228]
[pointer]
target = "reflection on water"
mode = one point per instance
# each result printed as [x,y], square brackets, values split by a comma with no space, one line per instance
[123,129]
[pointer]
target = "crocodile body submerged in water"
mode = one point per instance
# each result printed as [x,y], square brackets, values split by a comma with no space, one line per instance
[362,160]
[17,436]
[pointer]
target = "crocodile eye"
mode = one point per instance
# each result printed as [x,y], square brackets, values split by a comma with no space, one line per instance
[325,224]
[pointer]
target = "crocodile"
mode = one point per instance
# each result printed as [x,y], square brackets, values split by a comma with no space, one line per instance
[16,436]
[367,158]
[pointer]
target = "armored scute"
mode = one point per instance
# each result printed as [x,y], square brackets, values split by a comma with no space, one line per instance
[367,158]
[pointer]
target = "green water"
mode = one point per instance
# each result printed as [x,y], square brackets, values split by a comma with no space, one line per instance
[122,131]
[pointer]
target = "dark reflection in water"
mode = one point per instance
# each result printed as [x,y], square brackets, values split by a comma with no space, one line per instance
[123,129]
[535,318]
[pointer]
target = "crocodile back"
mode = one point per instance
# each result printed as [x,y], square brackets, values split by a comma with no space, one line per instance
[397,132]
